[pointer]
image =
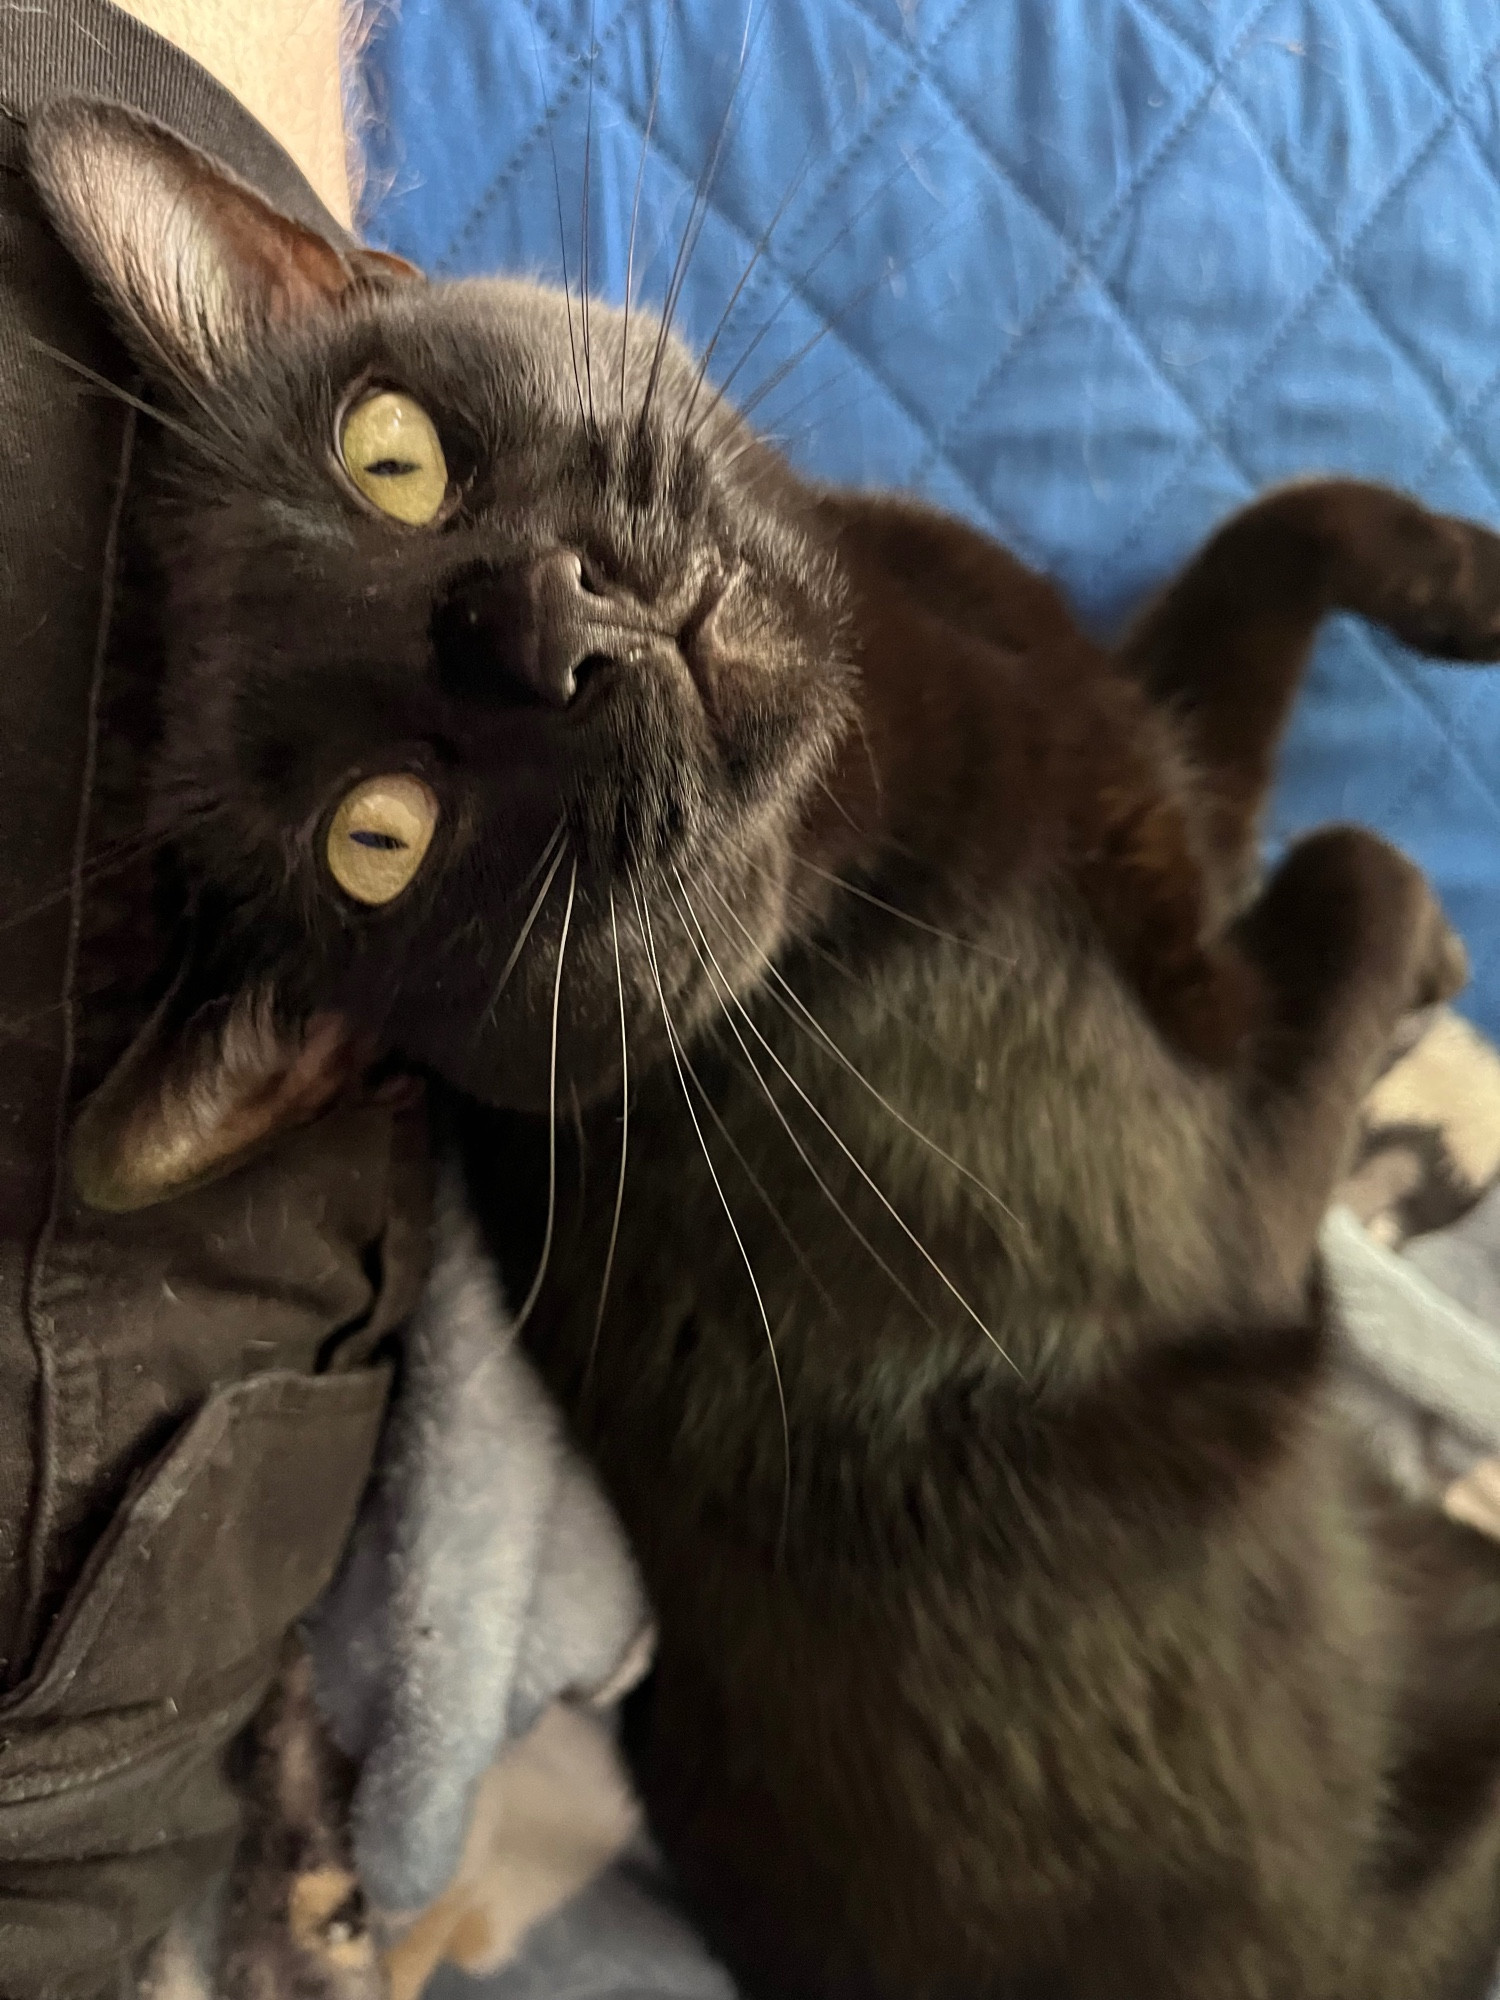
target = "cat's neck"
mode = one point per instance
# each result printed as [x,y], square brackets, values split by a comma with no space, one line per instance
[950,768]
[996,754]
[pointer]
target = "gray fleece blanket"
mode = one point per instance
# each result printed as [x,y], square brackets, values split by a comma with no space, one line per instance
[486,1578]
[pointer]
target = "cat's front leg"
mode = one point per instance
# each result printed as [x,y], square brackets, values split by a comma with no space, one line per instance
[1346,938]
[1224,646]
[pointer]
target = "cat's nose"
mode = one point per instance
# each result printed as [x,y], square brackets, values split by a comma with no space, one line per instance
[530,633]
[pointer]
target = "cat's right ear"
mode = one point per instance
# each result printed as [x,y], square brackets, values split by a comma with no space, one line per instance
[195,264]
[196,1094]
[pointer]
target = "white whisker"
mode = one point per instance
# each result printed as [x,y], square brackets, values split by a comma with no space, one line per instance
[732,1000]
[614,1228]
[526,929]
[541,1270]
[877,1191]
[644,918]
[903,916]
[816,1027]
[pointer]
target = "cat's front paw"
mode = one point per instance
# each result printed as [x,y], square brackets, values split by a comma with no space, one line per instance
[1442,961]
[1448,602]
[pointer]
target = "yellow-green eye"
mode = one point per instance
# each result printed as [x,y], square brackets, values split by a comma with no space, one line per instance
[392,453]
[380,835]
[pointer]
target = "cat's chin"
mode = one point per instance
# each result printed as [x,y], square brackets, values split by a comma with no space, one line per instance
[522,1091]
[512,1067]
[614,980]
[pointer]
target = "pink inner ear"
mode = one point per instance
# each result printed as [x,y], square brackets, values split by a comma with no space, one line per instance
[312,274]
[331,1056]
[195,261]
[386,264]
[294,270]
[175,1113]
[267,1084]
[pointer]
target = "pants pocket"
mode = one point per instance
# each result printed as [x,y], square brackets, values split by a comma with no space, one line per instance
[113,1791]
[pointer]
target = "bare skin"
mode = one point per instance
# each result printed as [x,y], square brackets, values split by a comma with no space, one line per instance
[281,59]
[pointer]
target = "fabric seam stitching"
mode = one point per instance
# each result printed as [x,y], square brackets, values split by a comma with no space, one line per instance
[39,1323]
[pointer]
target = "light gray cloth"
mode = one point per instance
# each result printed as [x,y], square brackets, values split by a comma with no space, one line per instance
[1464,1262]
[1421,1372]
[621,1938]
[486,1576]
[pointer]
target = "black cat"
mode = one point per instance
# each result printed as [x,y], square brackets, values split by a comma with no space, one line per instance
[945,1319]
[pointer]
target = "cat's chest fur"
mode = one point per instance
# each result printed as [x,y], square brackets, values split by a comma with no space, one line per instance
[950,1591]
[909,1172]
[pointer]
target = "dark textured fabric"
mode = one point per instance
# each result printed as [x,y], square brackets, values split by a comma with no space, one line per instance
[187,1413]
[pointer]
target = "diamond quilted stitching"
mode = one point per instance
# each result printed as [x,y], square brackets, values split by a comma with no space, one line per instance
[919,23]
[888,70]
[1296,424]
[1169,524]
[574,25]
[1072,139]
[675,209]
[470,62]
[854,431]
[1448,36]
[1338,765]
[1438,690]
[1213,27]
[1289,352]
[1078,381]
[441,75]
[831,75]
[1482,113]
[947,228]
[1467,699]
[774,296]
[1208,294]
[1451,481]
[1272,360]
[716,267]
[1178,135]
[1334,147]
[1432,266]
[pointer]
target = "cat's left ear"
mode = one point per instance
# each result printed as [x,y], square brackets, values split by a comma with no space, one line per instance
[195,263]
[194,1097]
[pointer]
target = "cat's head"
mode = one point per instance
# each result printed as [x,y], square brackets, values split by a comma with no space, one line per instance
[498,659]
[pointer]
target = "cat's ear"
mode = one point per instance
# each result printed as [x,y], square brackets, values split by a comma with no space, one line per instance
[195,263]
[191,1099]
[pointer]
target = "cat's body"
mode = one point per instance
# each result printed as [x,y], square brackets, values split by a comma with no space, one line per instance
[1087,1676]
[956,1358]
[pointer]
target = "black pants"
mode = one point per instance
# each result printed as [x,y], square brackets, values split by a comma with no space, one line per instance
[187,1410]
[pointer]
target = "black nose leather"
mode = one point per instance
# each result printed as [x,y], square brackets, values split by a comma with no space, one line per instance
[528,634]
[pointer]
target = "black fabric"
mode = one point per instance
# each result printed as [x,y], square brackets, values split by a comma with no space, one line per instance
[223,1338]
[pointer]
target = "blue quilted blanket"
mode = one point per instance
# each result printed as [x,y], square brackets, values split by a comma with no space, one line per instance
[1087,271]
